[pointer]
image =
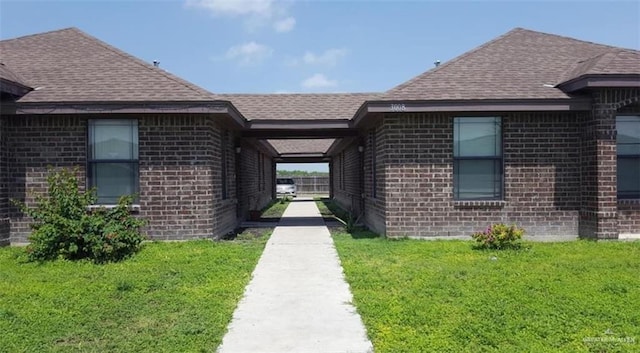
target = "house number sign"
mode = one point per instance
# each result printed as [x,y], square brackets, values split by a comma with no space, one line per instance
[398,107]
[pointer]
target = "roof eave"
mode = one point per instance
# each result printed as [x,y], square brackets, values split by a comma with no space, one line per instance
[300,129]
[493,105]
[148,107]
[13,88]
[339,145]
[600,81]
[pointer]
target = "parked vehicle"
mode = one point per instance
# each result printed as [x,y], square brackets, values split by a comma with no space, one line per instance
[286,186]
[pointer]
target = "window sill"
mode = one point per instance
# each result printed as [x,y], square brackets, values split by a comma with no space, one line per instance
[630,202]
[132,208]
[479,204]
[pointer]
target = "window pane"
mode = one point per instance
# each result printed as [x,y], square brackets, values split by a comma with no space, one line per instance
[477,179]
[113,180]
[477,137]
[114,139]
[628,135]
[629,177]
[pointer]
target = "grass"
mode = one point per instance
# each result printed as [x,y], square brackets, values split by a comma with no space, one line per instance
[275,209]
[330,210]
[442,296]
[171,297]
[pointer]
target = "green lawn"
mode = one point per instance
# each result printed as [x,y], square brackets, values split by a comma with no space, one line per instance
[442,296]
[276,208]
[171,297]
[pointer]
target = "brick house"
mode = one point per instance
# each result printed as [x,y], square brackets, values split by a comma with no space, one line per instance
[529,128]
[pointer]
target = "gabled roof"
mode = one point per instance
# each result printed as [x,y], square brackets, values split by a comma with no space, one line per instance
[615,68]
[8,75]
[319,106]
[615,61]
[70,66]
[521,64]
[11,82]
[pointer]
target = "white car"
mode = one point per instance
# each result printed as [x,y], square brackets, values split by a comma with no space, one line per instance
[286,186]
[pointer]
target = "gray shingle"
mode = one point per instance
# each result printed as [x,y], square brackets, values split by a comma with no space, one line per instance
[298,106]
[517,65]
[70,66]
[617,61]
[301,146]
[7,74]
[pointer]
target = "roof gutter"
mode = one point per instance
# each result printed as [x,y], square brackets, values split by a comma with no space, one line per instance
[177,107]
[437,106]
[13,88]
[601,81]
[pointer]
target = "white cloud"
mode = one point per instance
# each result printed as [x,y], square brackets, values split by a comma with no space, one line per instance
[319,81]
[250,53]
[329,57]
[285,25]
[256,13]
[263,8]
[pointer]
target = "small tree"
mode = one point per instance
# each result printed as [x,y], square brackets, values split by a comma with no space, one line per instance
[65,227]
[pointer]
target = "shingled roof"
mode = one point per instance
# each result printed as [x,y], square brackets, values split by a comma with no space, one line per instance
[613,62]
[301,146]
[521,64]
[11,82]
[70,66]
[298,106]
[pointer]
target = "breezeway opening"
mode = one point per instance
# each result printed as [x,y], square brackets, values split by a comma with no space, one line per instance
[311,179]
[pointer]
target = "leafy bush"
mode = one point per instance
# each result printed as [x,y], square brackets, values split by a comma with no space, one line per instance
[64,226]
[499,236]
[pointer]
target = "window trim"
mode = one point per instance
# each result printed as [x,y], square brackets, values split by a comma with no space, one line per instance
[500,159]
[635,195]
[91,161]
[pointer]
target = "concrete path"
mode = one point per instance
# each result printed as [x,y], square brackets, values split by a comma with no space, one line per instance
[297,300]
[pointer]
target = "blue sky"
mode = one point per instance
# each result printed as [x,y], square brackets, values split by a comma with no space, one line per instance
[267,46]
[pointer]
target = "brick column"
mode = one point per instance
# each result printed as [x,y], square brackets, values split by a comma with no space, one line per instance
[598,212]
[4,198]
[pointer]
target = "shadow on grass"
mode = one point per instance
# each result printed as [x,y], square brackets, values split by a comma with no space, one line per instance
[244,233]
[363,234]
[334,214]
[331,210]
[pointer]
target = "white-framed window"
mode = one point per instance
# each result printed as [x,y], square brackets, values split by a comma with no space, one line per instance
[628,147]
[477,158]
[112,164]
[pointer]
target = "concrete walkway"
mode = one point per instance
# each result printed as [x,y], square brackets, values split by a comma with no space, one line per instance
[297,300]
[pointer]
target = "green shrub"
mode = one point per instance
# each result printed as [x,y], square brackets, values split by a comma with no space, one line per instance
[65,227]
[499,236]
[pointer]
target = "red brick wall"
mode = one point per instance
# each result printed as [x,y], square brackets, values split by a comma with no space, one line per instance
[629,217]
[542,179]
[180,170]
[180,178]
[347,180]
[257,179]
[374,202]
[4,200]
[35,143]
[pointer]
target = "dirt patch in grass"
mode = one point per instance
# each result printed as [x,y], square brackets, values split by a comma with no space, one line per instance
[248,233]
